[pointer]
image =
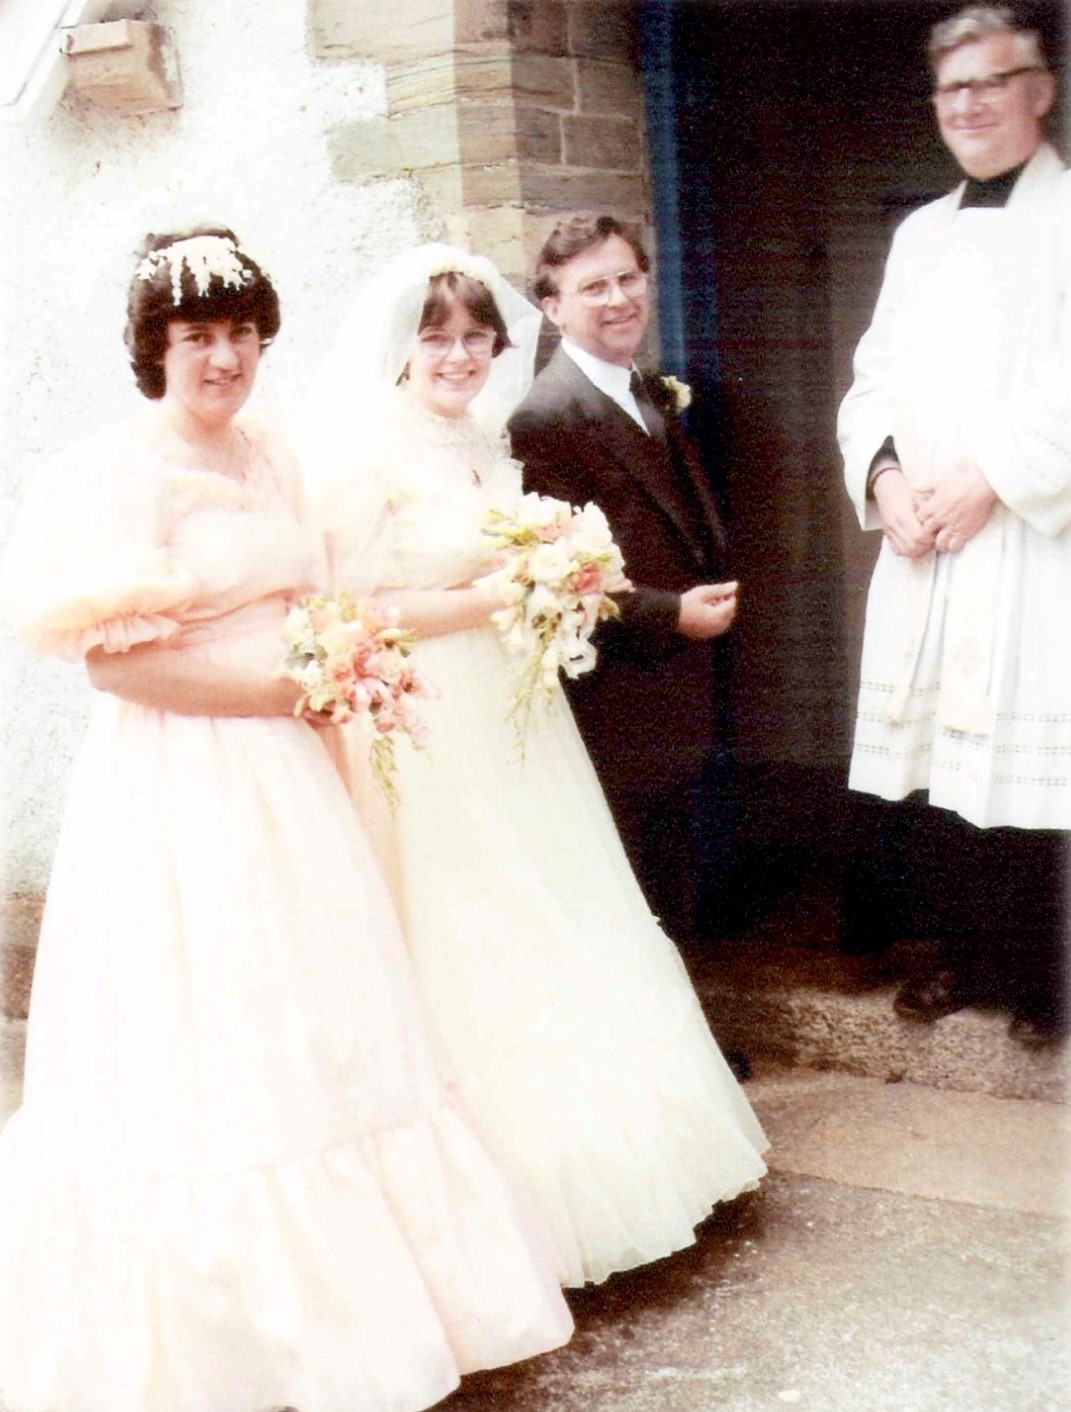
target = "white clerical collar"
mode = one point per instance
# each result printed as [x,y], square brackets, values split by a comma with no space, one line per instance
[610,378]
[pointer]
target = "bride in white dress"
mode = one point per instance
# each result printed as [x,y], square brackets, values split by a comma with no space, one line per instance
[564,1009]
[237,1180]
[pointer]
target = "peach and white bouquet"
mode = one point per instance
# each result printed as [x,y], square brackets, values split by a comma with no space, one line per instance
[556,569]
[351,661]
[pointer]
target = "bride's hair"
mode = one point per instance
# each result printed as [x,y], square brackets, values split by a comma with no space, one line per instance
[152,305]
[445,289]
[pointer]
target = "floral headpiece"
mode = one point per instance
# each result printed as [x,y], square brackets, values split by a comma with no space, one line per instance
[207,257]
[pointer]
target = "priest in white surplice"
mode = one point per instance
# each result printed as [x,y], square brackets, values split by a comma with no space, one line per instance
[956,436]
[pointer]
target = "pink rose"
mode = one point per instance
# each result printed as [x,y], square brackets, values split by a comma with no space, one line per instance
[589,580]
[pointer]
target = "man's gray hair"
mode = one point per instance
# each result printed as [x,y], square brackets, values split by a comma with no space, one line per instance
[978,21]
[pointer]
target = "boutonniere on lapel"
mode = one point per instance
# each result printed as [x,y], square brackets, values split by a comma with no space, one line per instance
[679,393]
[668,394]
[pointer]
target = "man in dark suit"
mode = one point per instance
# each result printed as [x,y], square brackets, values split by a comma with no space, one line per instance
[592,428]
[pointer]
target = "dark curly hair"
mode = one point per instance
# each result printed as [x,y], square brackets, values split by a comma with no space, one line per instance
[472,295]
[151,306]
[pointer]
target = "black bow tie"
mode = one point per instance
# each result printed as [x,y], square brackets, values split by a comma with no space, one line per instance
[652,417]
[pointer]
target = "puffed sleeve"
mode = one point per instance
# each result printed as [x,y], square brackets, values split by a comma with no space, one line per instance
[351,493]
[88,564]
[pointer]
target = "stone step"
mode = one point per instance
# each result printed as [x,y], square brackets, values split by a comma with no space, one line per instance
[814,1008]
[765,993]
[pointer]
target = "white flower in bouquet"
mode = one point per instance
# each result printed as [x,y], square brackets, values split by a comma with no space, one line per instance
[550,562]
[537,512]
[352,662]
[557,569]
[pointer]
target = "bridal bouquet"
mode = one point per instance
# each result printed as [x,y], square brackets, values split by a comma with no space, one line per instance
[556,567]
[349,661]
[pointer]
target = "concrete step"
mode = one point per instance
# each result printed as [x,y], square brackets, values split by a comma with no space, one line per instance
[812,1007]
[779,991]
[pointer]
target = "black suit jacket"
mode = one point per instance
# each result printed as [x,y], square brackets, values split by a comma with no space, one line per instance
[648,711]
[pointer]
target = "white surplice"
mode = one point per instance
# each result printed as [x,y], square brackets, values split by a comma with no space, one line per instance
[966,671]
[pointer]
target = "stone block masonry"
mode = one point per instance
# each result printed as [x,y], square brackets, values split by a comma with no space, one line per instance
[507,112]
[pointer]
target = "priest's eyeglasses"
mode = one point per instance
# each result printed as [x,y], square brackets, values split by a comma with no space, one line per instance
[987,89]
[631,283]
[477,342]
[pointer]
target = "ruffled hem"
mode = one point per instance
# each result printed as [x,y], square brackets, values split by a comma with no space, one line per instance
[366,1276]
[601,1230]
[632,1186]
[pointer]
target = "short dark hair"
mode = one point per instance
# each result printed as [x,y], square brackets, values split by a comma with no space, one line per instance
[151,306]
[444,289]
[575,234]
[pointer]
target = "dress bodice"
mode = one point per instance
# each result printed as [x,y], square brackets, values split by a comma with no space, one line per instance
[125,538]
[412,516]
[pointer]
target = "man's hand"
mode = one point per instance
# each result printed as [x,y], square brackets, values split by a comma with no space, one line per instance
[955,509]
[707,610]
[905,532]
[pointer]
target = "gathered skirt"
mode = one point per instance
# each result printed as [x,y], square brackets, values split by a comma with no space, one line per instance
[238,1180]
[564,1010]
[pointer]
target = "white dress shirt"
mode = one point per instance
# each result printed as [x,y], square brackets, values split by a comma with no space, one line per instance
[610,378]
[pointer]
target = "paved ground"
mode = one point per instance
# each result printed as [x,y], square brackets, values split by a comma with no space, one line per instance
[907,1252]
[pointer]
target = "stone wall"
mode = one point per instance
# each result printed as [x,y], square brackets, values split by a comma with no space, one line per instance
[507,112]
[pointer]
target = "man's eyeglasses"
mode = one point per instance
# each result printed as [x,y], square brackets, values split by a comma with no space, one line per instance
[988,89]
[631,283]
[477,342]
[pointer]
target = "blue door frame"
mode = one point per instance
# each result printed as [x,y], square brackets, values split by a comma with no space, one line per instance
[678,82]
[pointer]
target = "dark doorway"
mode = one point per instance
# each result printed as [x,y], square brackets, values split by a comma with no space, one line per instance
[788,139]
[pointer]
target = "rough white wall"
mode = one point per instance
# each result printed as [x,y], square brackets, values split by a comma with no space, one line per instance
[81,187]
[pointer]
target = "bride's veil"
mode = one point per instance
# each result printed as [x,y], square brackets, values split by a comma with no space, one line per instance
[370,349]
[338,432]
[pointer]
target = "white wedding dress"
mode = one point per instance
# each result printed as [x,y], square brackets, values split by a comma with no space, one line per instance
[564,1009]
[237,1181]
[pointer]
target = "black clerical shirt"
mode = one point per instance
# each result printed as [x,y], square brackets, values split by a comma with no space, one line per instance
[994,191]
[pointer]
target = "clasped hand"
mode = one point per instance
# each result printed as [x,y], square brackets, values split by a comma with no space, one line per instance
[944,516]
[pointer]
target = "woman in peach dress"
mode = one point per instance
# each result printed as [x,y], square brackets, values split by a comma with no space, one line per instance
[237,1181]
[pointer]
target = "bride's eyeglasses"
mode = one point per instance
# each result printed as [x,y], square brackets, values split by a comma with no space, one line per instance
[477,342]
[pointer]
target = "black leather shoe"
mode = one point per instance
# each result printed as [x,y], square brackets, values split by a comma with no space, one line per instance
[1038,1031]
[931,996]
